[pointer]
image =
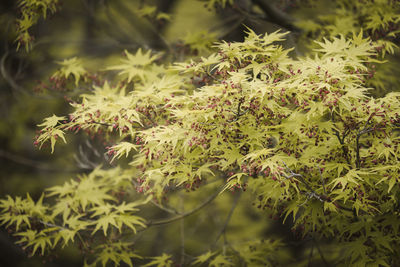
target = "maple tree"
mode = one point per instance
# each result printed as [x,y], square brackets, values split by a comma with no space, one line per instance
[308,137]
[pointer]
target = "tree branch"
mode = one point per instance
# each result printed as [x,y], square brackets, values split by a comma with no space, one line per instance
[32,163]
[7,76]
[359,134]
[176,218]
[341,141]
[182,230]
[320,253]
[276,16]
[311,193]
[228,218]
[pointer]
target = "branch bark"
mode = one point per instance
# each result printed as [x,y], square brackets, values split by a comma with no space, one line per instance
[276,16]
[176,218]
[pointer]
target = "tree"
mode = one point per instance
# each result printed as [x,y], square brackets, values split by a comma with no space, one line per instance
[309,135]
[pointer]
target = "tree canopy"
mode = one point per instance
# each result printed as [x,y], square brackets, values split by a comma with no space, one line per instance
[257,133]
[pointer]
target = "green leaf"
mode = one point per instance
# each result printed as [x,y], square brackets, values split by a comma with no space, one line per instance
[51,121]
[134,65]
[72,66]
[104,221]
[161,261]
[220,260]
[204,257]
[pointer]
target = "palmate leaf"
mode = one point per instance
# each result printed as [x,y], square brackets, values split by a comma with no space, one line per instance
[204,169]
[114,253]
[117,218]
[20,211]
[130,221]
[258,154]
[123,148]
[26,236]
[19,219]
[293,208]
[343,181]
[231,155]
[264,252]
[134,65]
[204,257]
[104,222]
[36,240]
[201,41]
[90,190]
[161,261]
[51,121]
[50,131]
[66,235]
[72,66]
[220,260]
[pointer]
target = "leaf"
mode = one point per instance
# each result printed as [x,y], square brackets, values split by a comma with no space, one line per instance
[123,148]
[72,66]
[161,261]
[130,221]
[392,182]
[204,169]
[104,221]
[220,260]
[115,253]
[293,208]
[51,121]
[134,65]
[41,243]
[66,234]
[204,257]
[262,153]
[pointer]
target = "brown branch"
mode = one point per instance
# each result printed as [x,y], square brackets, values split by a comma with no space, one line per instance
[32,163]
[322,179]
[310,255]
[359,134]
[320,252]
[311,193]
[7,76]
[341,141]
[167,209]
[228,218]
[276,16]
[182,230]
[176,218]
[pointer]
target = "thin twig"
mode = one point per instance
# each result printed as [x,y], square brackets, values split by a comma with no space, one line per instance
[32,163]
[276,16]
[167,209]
[359,134]
[320,252]
[341,141]
[228,218]
[173,219]
[182,230]
[311,254]
[7,76]
[322,179]
[311,193]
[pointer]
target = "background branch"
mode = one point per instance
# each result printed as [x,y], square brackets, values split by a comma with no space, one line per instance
[276,16]
[173,219]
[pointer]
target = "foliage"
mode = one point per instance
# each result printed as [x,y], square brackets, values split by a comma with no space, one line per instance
[31,12]
[306,137]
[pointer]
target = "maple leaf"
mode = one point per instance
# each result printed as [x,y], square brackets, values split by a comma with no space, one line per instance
[72,66]
[134,65]
[204,257]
